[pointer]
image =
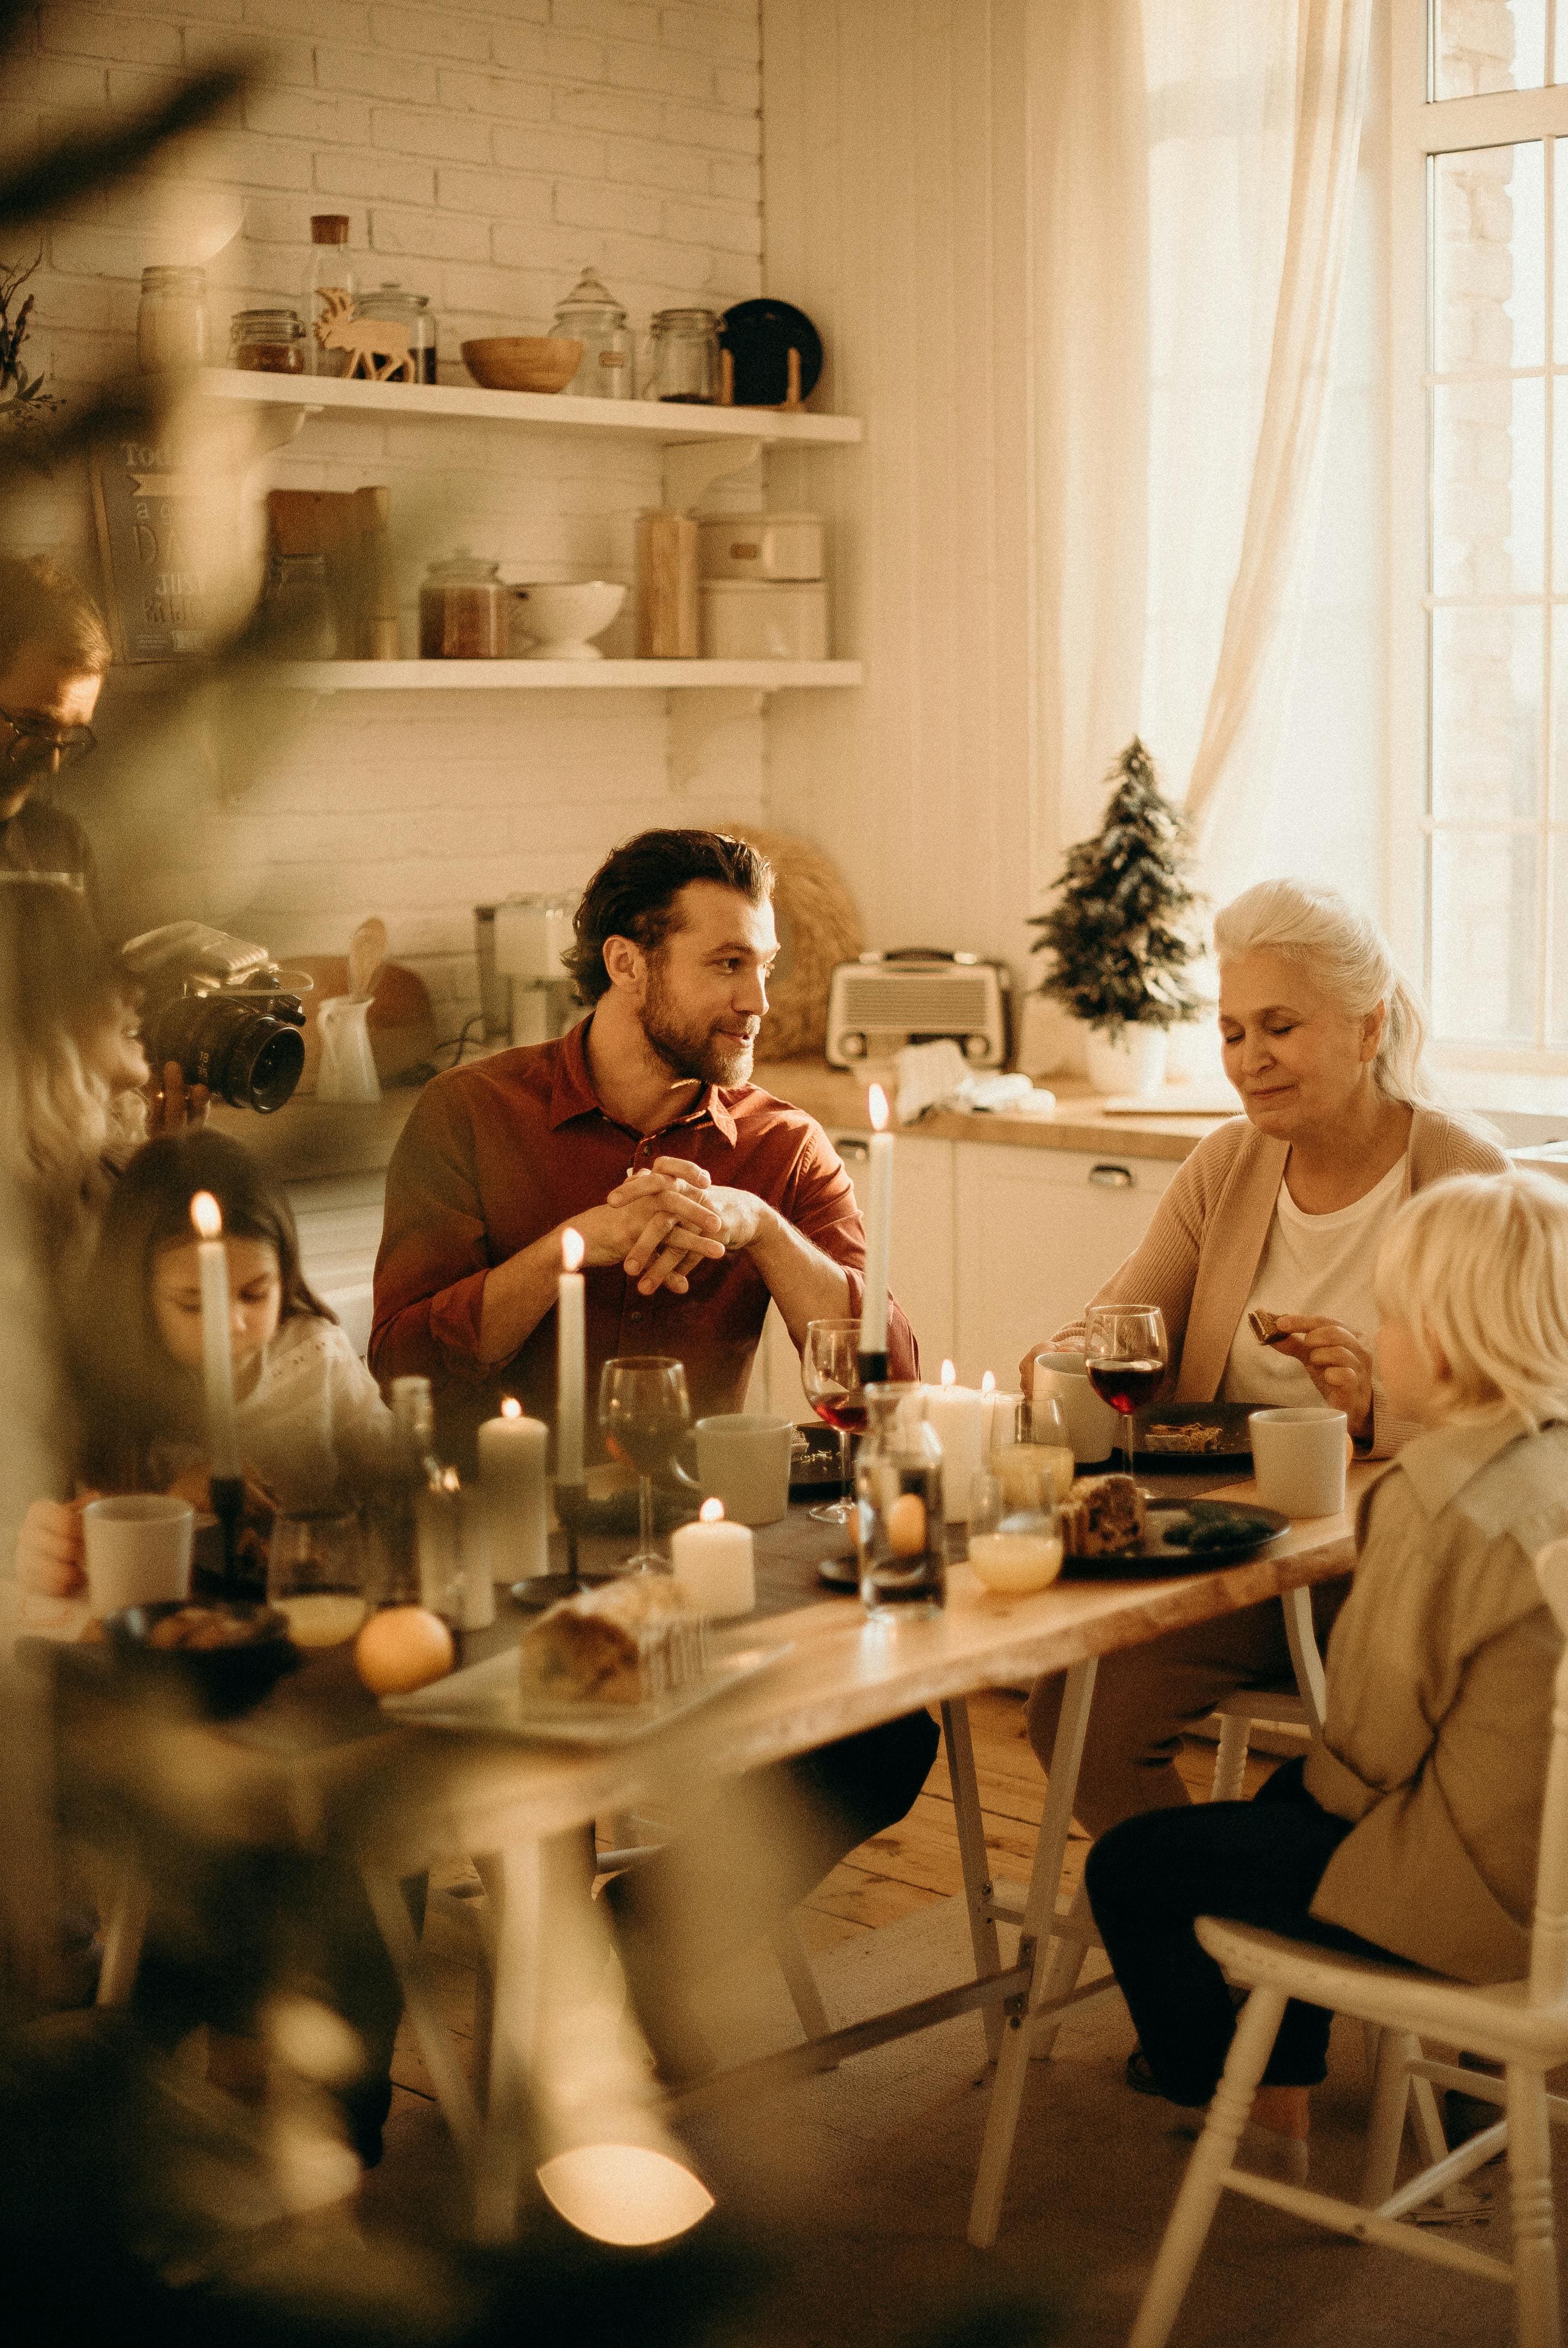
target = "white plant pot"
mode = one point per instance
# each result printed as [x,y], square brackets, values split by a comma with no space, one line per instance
[1135,1063]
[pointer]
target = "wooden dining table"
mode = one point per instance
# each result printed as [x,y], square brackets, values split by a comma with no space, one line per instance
[320,1758]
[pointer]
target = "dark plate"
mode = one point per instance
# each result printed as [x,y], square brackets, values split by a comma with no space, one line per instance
[814,1473]
[1158,1555]
[1231,1417]
[760,336]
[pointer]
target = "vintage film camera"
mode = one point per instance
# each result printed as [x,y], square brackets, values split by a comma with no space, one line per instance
[219,1006]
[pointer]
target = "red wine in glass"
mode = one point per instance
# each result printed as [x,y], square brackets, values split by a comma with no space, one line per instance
[831,1374]
[1127,1385]
[1125,1353]
[847,1412]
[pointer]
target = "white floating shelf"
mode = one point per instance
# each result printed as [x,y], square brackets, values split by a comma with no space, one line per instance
[510,676]
[663,423]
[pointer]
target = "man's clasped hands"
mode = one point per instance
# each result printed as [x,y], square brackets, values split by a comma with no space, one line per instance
[660,1224]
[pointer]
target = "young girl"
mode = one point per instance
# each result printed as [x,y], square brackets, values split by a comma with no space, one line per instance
[306,1403]
[1413,1826]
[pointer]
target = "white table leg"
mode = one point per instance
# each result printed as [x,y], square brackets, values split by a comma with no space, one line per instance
[1039,1923]
[972,1852]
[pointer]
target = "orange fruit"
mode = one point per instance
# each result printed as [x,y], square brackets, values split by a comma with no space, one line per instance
[403,1648]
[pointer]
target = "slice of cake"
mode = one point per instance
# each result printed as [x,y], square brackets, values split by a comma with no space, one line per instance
[1103,1516]
[618,1644]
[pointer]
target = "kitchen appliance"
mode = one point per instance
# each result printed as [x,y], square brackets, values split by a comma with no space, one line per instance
[764,619]
[592,316]
[882,1002]
[532,933]
[761,545]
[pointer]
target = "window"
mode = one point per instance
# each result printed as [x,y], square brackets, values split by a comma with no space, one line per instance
[1479,520]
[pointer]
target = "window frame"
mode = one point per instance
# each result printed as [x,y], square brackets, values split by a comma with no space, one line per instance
[1419,128]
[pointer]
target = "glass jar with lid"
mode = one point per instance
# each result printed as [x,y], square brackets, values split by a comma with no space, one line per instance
[593,315]
[901,1528]
[465,610]
[267,341]
[171,320]
[412,312]
[682,357]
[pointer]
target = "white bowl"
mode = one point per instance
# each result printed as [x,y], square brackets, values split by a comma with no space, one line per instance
[563,618]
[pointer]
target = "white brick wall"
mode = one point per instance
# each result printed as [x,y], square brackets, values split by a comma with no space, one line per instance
[484,154]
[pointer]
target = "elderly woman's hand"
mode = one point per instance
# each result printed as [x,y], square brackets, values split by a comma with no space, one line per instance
[1337,1360]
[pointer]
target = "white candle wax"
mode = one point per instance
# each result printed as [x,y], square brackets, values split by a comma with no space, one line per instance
[570,1358]
[513,1489]
[879,1228]
[217,1340]
[715,1562]
[958,1416]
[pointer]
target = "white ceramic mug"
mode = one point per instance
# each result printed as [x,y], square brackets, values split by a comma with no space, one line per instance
[1298,1459]
[744,1461]
[137,1550]
[1090,1423]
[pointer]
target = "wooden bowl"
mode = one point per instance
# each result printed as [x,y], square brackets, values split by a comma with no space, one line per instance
[523,362]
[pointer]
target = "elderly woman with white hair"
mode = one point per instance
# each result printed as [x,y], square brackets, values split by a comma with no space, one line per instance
[1282,1209]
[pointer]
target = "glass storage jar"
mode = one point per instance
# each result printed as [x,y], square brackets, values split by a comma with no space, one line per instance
[171,320]
[591,314]
[267,341]
[465,610]
[901,1530]
[329,291]
[412,312]
[682,357]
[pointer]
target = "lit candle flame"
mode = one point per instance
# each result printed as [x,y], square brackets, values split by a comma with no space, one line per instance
[711,1512]
[988,1382]
[876,1103]
[206,1215]
[949,1375]
[574,1247]
[510,1407]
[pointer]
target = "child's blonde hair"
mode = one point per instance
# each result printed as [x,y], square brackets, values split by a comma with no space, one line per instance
[1476,1269]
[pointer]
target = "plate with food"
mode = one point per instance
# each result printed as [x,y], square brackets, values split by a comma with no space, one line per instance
[1172,1435]
[1111,1531]
[602,1667]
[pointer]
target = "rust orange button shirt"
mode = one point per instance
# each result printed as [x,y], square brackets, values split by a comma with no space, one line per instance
[499,1152]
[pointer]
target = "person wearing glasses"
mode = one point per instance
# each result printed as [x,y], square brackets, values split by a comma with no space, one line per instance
[54,650]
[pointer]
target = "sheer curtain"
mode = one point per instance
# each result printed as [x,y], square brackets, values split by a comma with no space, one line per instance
[1202,280]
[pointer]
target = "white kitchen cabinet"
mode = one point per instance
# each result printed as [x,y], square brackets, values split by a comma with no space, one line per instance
[1036,1233]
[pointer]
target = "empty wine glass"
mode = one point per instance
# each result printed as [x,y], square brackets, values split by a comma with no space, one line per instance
[644,1411]
[831,1374]
[1125,1353]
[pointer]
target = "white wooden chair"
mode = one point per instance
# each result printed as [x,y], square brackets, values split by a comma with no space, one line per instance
[1523,2025]
[1301,1707]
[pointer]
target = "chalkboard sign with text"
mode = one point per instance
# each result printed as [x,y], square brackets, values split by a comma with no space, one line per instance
[150,528]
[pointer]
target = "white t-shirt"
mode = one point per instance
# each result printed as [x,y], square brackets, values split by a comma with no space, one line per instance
[314,1401]
[1312,1263]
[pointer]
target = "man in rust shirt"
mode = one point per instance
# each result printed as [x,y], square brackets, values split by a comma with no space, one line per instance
[701,1198]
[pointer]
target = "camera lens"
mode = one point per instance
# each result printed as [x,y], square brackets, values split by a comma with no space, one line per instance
[245,1056]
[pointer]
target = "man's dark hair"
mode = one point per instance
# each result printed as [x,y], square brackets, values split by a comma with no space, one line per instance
[40,604]
[633,894]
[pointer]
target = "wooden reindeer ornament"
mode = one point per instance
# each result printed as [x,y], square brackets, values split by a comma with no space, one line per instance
[380,349]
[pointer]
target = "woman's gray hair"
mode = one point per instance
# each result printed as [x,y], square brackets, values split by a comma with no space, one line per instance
[1348,956]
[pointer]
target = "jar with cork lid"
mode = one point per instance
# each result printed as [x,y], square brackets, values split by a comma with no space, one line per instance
[329,291]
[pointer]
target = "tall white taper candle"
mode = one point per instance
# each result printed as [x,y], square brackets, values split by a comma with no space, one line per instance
[879,1226]
[217,1342]
[569,1361]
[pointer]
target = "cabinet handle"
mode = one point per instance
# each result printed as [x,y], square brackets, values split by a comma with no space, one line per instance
[1111,1177]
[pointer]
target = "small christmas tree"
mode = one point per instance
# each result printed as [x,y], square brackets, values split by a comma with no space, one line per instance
[1121,933]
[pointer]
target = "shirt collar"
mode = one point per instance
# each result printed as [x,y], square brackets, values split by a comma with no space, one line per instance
[572,1092]
[1440,1463]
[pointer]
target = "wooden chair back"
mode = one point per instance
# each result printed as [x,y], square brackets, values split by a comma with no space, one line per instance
[1549,1942]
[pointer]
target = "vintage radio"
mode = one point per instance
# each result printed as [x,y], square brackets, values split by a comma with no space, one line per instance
[882,1002]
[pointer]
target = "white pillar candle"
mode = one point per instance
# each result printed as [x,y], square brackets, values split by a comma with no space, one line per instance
[217,1337]
[879,1226]
[569,1361]
[957,1416]
[715,1562]
[514,1483]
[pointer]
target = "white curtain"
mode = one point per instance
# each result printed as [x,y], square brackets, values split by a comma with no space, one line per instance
[1217,261]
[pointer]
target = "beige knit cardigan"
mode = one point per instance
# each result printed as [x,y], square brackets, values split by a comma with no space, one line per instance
[1200,1256]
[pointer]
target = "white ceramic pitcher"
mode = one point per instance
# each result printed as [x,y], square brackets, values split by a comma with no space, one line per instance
[347,1071]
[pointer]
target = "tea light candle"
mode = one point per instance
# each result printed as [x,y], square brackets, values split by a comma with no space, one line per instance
[959,1417]
[879,1226]
[569,1360]
[513,1489]
[715,1562]
[217,1341]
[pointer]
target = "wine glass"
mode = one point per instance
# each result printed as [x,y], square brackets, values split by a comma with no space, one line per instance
[644,1411]
[831,1374]
[316,1574]
[1125,1353]
[1039,1442]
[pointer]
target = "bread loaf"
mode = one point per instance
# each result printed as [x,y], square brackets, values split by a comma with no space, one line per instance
[618,1644]
[1103,1516]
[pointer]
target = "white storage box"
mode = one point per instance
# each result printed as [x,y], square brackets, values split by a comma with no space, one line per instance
[761,545]
[758,619]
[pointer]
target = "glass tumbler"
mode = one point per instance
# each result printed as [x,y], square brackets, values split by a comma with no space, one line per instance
[901,1530]
[316,1574]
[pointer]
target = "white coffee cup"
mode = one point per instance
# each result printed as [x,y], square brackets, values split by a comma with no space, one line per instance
[744,1461]
[1090,1423]
[137,1550]
[1298,1459]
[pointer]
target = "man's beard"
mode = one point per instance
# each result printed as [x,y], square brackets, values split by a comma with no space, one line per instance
[693,1053]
